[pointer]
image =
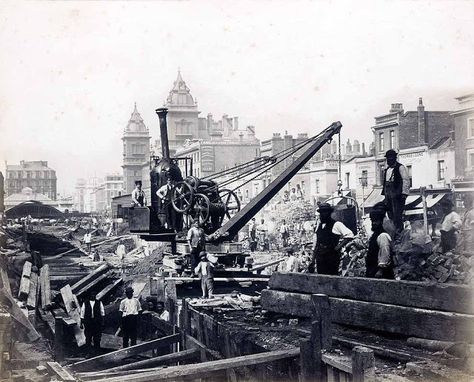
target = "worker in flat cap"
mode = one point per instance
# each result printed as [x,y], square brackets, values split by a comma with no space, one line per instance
[450,226]
[378,263]
[330,236]
[396,187]
[138,195]
[129,310]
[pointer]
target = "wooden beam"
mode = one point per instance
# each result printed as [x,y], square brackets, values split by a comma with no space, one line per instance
[19,316]
[45,287]
[433,296]
[73,309]
[166,359]
[58,371]
[207,368]
[32,293]
[263,266]
[118,355]
[25,281]
[5,281]
[181,280]
[93,283]
[109,288]
[91,276]
[363,365]
[375,316]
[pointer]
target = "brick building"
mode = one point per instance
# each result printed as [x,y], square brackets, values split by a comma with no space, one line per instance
[31,174]
[464,143]
[412,131]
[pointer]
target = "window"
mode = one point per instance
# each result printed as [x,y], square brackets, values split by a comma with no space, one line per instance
[409,170]
[441,169]
[392,139]
[317,186]
[363,178]
[470,128]
[348,177]
[381,145]
[470,158]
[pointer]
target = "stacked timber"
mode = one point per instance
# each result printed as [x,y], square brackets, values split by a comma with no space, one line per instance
[426,310]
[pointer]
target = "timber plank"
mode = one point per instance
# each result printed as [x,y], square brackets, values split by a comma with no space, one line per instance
[45,286]
[433,296]
[25,281]
[73,310]
[376,316]
[91,276]
[19,316]
[109,288]
[5,280]
[93,283]
[58,371]
[31,299]
[158,361]
[207,368]
[118,355]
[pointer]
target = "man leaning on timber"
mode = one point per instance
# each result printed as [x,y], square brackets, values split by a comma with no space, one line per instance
[378,262]
[396,187]
[330,236]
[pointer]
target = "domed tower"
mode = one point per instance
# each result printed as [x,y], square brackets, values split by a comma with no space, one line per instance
[136,153]
[182,115]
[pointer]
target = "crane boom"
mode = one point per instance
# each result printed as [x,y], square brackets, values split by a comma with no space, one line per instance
[241,218]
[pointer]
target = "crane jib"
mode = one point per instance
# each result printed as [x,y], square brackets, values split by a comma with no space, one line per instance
[241,218]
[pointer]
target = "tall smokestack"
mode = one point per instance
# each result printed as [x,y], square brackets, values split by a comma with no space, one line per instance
[165,147]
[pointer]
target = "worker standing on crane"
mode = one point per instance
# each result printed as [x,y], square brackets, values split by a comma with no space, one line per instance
[138,195]
[197,243]
[330,236]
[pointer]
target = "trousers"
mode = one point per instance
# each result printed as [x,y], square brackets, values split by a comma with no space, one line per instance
[129,329]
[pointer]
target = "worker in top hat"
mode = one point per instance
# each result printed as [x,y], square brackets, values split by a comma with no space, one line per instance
[129,310]
[396,187]
[138,195]
[330,236]
[450,226]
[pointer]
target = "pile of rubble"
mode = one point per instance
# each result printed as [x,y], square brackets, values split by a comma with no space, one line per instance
[416,257]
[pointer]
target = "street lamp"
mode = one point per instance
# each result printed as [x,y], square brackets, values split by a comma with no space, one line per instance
[363,183]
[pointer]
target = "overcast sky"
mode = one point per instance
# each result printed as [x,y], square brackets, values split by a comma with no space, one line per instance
[71,71]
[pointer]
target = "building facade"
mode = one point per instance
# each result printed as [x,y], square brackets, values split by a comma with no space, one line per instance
[409,132]
[464,143]
[136,153]
[31,174]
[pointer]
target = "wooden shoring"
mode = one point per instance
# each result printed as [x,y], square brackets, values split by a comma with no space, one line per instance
[119,355]
[432,296]
[375,316]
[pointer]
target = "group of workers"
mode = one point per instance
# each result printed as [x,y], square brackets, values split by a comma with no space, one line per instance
[92,315]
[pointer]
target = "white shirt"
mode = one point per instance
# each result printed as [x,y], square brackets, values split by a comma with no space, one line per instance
[202,266]
[120,251]
[130,306]
[403,174]
[136,193]
[87,238]
[164,192]
[450,221]
[83,309]
[165,316]
[292,264]
[338,229]
[384,242]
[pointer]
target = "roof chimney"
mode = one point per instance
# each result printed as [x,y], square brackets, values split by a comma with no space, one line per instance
[396,108]
[421,122]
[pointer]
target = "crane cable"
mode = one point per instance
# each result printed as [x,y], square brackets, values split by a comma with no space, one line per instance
[339,159]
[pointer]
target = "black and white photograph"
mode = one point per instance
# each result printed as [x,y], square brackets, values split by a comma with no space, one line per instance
[236,191]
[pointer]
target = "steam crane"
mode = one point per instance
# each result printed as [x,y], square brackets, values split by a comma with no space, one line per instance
[205,200]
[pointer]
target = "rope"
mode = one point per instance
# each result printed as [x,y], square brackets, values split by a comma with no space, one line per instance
[339,182]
